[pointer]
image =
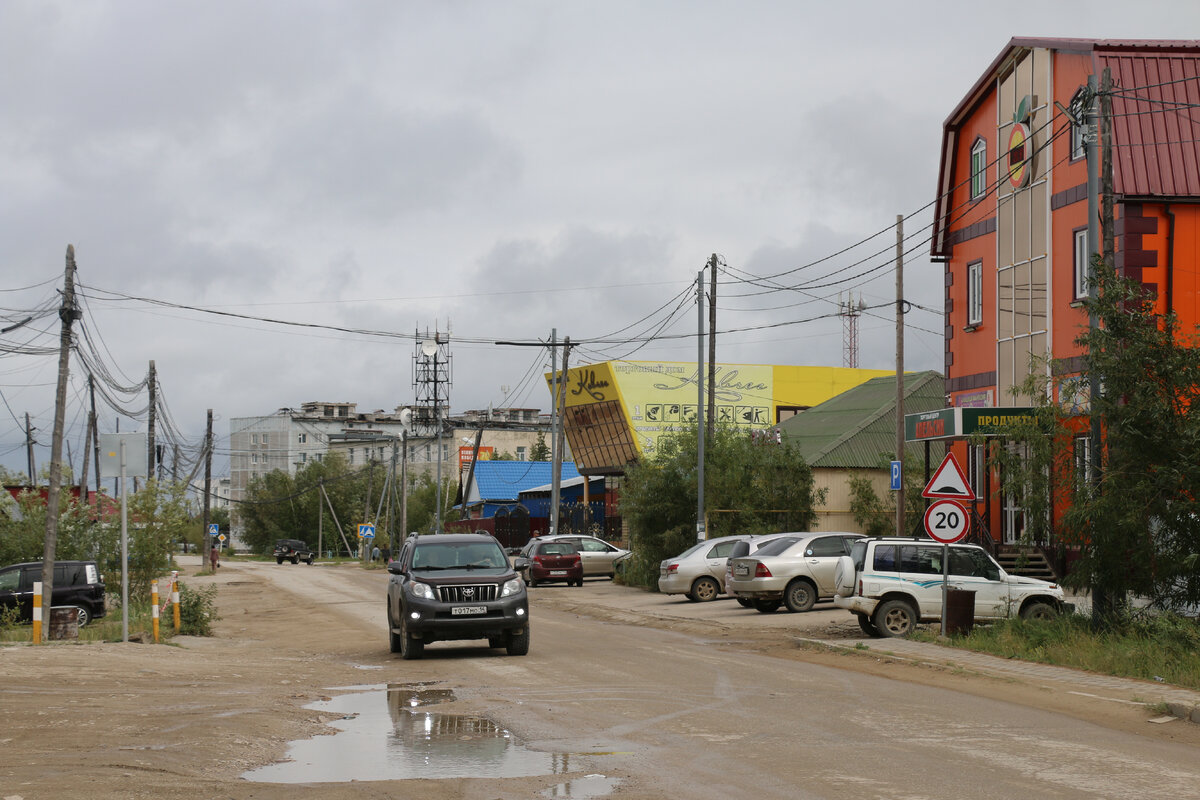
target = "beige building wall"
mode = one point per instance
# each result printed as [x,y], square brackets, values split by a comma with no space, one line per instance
[835,514]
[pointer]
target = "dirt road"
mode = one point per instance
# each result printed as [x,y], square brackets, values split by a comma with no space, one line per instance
[638,696]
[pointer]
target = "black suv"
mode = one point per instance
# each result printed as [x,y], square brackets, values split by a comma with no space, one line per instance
[455,586]
[77,584]
[292,550]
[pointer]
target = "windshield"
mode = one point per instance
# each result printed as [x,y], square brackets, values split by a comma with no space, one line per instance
[458,555]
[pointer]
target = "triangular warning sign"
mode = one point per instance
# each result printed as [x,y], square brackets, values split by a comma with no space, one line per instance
[949,481]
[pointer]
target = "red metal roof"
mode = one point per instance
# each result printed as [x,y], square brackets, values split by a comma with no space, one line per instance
[1156,122]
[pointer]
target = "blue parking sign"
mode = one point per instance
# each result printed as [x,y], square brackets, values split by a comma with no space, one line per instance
[896,476]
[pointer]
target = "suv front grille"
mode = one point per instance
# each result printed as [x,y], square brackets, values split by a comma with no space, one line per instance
[467,593]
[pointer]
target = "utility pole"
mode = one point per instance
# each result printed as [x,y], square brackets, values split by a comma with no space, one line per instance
[1106,167]
[403,487]
[68,313]
[95,430]
[701,534]
[556,476]
[29,450]
[900,370]
[712,346]
[87,444]
[151,461]
[554,389]
[208,448]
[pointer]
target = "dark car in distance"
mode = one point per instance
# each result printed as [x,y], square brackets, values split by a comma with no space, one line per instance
[455,586]
[545,561]
[77,584]
[293,550]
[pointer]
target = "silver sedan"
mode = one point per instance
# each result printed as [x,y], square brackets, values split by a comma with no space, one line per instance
[699,571]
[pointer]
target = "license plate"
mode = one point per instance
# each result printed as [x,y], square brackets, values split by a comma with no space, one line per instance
[741,569]
[459,611]
[557,572]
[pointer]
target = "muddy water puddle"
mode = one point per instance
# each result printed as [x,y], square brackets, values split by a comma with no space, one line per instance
[390,733]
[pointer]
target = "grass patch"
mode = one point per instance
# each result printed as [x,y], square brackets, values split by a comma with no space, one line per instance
[1155,647]
[197,614]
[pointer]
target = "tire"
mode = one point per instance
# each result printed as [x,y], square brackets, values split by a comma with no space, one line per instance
[767,606]
[278,559]
[85,616]
[1037,610]
[800,595]
[530,582]
[894,618]
[309,562]
[295,559]
[518,643]
[496,641]
[579,583]
[704,589]
[745,602]
[868,627]
[394,639]
[410,649]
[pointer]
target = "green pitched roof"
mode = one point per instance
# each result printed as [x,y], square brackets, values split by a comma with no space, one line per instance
[857,429]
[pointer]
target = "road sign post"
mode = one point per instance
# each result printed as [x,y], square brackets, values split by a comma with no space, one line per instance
[946,521]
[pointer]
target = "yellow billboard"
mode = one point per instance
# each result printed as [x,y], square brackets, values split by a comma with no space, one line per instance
[617,410]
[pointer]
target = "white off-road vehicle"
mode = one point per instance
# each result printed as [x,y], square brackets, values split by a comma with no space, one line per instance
[891,584]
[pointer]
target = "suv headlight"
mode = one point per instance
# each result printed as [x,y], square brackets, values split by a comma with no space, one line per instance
[515,586]
[422,590]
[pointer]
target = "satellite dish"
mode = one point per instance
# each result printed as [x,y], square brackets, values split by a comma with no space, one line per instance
[428,347]
[406,417]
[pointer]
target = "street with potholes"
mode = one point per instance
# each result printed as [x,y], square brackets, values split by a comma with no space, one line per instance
[624,693]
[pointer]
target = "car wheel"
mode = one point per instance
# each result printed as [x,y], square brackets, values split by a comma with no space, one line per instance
[85,616]
[579,583]
[309,562]
[1037,610]
[530,582]
[767,606]
[800,595]
[295,559]
[868,627]
[394,639]
[704,590]
[496,641]
[278,559]
[895,618]
[410,648]
[745,602]
[518,643]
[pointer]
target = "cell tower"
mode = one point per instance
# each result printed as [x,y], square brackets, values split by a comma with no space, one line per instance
[431,381]
[850,311]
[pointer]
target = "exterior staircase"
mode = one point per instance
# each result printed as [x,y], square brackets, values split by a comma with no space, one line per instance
[1029,562]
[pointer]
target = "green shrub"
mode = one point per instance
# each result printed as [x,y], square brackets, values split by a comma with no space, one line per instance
[197,610]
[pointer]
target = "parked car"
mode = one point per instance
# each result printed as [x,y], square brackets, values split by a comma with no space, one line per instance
[599,557]
[892,584]
[77,584]
[293,550]
[792,572]
[744,548]
[544,561]
[699,571]
[454,586]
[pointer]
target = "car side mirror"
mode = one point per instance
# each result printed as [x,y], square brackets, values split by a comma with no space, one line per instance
[395,568]
[521,563]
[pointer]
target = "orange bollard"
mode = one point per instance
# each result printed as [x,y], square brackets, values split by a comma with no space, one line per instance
[175,597]
[37,612]
[154,608]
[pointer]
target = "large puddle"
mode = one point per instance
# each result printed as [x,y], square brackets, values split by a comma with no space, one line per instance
[389,733]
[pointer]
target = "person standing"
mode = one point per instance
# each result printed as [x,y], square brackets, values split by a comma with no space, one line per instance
[214,558]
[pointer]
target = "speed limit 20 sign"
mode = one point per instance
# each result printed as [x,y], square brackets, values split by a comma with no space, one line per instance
[947,521]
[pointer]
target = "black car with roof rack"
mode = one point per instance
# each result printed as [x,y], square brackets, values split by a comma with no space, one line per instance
[455,586]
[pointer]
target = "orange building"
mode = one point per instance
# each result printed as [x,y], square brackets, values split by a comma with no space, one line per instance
[1011,221]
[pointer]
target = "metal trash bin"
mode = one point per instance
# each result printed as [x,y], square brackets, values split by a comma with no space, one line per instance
[960,611]
[64,624]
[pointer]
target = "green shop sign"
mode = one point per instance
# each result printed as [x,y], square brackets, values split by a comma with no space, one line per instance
[960,423]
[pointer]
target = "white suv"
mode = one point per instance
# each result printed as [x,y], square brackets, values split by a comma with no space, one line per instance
[892,584]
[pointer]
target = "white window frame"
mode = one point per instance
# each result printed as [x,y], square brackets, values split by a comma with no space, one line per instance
[979,168]
[302,438]
[974,293]
[1082,267]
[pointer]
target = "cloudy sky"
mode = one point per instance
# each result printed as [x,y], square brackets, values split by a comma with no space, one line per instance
[495,169]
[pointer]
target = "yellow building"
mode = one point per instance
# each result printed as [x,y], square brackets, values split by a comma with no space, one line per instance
[617,410]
